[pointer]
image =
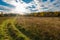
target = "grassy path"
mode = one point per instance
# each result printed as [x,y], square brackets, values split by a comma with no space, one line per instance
[8,31]
[4,35]
[2,19]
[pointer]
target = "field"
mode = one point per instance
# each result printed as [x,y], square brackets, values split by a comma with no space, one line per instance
[4,18]
[40,28]
[29,28]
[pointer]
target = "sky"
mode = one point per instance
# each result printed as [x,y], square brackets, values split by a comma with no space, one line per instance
[29,6]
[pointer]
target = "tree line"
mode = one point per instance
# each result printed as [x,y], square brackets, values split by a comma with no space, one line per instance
[45,14]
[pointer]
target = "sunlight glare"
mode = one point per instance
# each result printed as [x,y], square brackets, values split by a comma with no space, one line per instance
[19,7]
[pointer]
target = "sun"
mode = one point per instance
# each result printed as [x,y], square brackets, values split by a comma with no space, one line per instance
[19,8]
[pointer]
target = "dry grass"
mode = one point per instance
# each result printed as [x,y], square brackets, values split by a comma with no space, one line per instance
[36,28]
[45,28]
[4,18]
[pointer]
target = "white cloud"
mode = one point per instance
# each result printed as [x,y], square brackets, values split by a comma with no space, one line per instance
[4,8]
[40,6]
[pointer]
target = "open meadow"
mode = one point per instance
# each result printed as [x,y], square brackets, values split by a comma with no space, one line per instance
[4,18]
[29,28]
[40,28]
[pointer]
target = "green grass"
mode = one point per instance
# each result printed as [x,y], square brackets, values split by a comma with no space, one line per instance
[2,19]
[7,28]
[30,28]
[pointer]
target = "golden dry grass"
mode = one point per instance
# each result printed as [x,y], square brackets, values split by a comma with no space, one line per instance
[35,28]
[4,18]
[45,28]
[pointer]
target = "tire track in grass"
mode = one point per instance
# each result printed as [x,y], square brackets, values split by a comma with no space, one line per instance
[3,33]
[19,35]
[6,33]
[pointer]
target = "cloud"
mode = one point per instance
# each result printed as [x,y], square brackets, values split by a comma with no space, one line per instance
[4,9]
[33,6]
[5,6]
[48,5]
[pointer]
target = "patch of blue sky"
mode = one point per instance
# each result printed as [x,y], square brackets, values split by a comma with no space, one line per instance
[6,4]
[47,0]
[54,3]
[31,7]
[52,0]
[27,1]
[57,4]
[44,0]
